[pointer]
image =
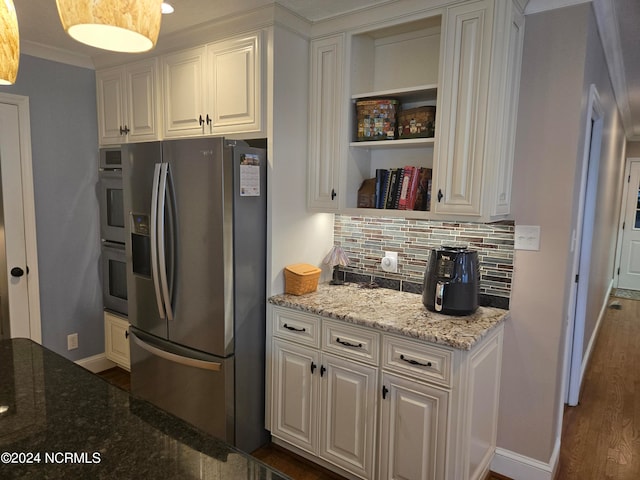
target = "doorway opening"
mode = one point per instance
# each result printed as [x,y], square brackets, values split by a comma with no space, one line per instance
[583,238]
[627,274]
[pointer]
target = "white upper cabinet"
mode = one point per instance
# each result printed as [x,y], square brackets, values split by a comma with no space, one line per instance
[128,103]
[464,94]
[214,89]
[326,107]
[234,85]
[184,83]
[464,60]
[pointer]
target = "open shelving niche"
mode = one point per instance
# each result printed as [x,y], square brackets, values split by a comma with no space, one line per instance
[401,62]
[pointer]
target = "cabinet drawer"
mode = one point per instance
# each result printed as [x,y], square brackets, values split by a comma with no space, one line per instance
[296,326]
[354,342]
[420,360]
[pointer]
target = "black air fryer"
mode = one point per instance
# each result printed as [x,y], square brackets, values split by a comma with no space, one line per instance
[451,281]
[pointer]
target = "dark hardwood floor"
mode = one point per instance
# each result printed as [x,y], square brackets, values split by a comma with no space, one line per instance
[601,436]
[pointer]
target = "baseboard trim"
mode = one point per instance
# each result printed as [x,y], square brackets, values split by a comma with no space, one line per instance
[514,465]
[96,363]
[594,335]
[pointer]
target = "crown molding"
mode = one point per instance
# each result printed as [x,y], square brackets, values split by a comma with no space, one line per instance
[537,6]
[59,55]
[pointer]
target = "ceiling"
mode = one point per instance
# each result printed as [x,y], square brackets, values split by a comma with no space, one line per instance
[618,20]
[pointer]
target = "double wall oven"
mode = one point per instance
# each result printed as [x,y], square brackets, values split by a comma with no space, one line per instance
[112,231]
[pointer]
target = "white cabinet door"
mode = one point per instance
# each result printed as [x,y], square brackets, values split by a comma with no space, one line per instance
[183,77]
[462,108]
[413,430]
[348,412]
[325,126]
[234,85]
[294,396]
[128,103]
[143,101]
[116,335]
[110,85]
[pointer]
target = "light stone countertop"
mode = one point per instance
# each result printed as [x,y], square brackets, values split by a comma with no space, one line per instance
[395,312]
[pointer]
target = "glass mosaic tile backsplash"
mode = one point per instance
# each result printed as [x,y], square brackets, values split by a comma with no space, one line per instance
[365,239]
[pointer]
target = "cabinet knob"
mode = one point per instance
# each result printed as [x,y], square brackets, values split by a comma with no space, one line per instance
[313,367]
[385,390]
[126,334]
[440,195]
[209,119]
[200,120]
[17,272]
[333,194]
[124,131]
[322,370]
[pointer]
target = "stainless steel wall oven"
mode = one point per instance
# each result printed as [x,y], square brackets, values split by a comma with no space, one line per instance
[112,231]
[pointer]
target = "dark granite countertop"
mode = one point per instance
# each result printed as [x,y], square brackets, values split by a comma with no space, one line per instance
[71,424]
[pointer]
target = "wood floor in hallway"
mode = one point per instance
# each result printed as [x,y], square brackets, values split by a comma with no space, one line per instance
[601,436]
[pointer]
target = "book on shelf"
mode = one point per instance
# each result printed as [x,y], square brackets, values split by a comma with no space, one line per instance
[407,188]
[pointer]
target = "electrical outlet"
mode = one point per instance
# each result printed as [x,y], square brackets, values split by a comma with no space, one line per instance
[72,341]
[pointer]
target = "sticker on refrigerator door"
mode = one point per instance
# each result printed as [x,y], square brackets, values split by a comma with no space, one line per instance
[249,175]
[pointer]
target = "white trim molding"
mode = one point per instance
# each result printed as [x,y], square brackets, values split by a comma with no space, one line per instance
[96,363]
[514,465]
[59,55]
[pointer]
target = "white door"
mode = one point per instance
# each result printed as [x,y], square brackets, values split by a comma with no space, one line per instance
[19,218]
[629,277]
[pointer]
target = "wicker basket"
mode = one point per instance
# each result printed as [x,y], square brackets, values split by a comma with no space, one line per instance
[301,278]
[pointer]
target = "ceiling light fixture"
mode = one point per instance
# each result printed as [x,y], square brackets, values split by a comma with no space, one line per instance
[9,43]
[116,25]
[167,8]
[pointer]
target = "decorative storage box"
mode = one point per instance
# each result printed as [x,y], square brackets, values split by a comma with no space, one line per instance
[301,278]
[417,122]
[376,119]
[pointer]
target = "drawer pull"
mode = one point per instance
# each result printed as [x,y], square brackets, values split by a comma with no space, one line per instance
[414,362]
[294,328]
[347,344]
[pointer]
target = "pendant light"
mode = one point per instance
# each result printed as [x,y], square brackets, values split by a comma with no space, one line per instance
[9,43]
[116,25]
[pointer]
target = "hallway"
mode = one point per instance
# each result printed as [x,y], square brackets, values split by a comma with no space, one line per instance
[601,436]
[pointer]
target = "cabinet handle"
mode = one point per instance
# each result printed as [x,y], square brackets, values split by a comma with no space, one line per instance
[294,328]
[440,195]
[124,131]
[126,334]
[414,362]
[209,120]
[313,367]
[347,344]
[385,390]
[322,370]
[200,120]
[333,194]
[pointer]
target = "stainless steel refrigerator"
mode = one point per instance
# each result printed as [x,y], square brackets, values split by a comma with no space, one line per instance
[196,268]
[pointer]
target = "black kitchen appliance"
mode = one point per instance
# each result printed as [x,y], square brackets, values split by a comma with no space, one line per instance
[451,281]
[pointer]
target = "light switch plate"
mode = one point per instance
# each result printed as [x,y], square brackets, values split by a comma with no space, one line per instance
[527,237]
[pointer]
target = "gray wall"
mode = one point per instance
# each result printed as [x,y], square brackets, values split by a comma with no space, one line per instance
[562,57]
[633,149]
[64,141]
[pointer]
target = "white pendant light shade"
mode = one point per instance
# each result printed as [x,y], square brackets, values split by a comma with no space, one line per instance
[9,43]
[116,25]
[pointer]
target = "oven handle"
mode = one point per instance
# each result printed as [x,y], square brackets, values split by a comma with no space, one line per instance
[154,239]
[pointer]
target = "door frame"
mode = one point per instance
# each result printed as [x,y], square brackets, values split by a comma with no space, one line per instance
[621,220]
[581,247]
[30,327]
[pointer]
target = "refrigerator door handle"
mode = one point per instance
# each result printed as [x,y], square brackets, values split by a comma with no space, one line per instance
[154,239]
[162,254]
[172,357]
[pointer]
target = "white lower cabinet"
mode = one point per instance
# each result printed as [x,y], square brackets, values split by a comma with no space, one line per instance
[373,405]
[413,429]
[116,339]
